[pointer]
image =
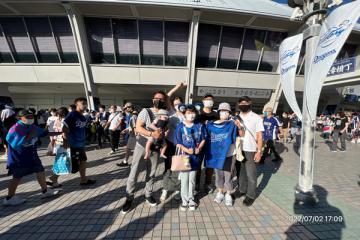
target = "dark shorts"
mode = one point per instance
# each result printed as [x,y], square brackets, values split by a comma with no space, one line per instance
[18,172]
[77,155]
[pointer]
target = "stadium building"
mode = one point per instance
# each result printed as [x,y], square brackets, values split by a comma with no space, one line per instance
[122,50]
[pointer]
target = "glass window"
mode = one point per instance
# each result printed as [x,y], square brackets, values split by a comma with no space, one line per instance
[207,47]
[100,40]
[230,47]
[176,43]
[253,43]
[270,57]
[15,30]
[45,46]
[126,41]
[5,53]
[65,39]
[151,42]
[347,51]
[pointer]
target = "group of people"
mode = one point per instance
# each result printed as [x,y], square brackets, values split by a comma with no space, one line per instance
[214,140]
[339,126]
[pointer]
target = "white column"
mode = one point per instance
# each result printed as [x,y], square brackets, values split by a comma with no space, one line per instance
[78,28]
[191,60]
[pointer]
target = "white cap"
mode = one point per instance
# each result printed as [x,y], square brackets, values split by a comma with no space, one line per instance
[224,106]
[163,112]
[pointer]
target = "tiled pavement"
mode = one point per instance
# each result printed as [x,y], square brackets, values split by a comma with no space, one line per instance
[94,213]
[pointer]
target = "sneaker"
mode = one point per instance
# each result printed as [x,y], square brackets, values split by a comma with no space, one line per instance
[151,201]
[14,201]
[163,195]
[127,206]
[122,164]
[50,193]
[342,150]
[192,206]
[248,201]
[333,150]
[228,200]
[353,141]
[111,153]
[183,207]
[219,197]
[177,196]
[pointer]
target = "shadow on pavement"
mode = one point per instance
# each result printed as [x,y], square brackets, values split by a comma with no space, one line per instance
[322,220]
[266,170]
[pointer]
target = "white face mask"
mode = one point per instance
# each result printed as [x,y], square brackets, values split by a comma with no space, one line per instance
[190,117]
[208,103]
[53,114]
[29,121]
[224,115]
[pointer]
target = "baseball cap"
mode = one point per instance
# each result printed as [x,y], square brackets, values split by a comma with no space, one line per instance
[24,113]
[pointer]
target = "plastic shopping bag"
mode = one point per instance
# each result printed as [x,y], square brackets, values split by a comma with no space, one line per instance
[62,163]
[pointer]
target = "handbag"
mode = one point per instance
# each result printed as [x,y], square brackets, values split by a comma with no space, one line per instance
[62,164]
[180,161]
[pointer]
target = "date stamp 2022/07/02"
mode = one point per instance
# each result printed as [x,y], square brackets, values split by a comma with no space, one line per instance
[315,219]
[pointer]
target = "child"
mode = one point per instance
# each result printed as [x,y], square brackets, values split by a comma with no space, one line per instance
[190,139]
[159,123]
[220,153]
[23,158]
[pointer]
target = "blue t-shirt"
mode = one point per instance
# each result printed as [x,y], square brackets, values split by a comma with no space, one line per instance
[219,139]
[191,139]
[270,126]
[76,123]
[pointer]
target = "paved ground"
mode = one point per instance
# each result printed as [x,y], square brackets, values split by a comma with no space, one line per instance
[94,213]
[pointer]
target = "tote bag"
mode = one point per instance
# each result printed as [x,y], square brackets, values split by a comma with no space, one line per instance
[62,163]
[180,162]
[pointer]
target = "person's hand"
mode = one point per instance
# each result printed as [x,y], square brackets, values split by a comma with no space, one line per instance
[238,123]
[182,84]
[190,151]
[197,150]
[257,157]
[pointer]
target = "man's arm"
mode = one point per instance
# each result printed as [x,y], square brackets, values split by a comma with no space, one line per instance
[140,129]
[259,141]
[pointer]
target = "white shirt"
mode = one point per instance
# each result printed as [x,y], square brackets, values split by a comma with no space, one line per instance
[115,119]
[253,124]
[51,122]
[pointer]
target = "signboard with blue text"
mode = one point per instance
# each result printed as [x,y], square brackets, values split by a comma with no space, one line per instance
[342,66]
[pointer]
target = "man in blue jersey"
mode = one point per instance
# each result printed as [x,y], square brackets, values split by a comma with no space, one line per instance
[271,124]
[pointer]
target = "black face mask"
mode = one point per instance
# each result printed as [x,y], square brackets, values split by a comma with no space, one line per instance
[161,124]
[159,104]
[244,108]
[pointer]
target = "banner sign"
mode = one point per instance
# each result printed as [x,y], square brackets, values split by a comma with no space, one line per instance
[234,92]
[342,66]
[334,32]
[288,58]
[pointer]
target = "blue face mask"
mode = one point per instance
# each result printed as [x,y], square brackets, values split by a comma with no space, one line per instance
[265,114]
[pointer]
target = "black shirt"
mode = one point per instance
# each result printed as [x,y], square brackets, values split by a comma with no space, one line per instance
[340,123]
[285,122]
[212,116]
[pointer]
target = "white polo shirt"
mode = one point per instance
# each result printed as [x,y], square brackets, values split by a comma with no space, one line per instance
[253,124]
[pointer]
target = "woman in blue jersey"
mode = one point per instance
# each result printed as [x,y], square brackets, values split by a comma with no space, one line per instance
[220,152]
[190,139]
